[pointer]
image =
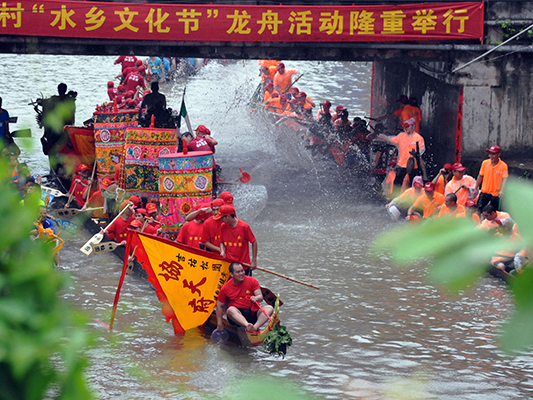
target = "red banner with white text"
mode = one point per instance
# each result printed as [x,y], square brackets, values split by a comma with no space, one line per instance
[236,23]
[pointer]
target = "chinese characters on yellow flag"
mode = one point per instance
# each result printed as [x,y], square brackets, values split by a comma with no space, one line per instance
[187,280]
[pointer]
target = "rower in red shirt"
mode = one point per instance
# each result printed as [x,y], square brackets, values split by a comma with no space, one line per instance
[118,232]
[79,184]
[190,234]
[236,237]
[97,200]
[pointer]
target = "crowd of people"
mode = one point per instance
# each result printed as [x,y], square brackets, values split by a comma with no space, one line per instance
[454,193]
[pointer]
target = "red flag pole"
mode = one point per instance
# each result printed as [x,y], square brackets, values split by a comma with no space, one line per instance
[124,268]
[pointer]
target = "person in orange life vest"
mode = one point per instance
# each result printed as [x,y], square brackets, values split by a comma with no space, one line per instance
[118,232]
[239,299]
[462,185]
[269,90]
[499,221]
[151,210]
[273,103]
[451,207]
[190,234]
[111,90]
[411,110]
[443,177]
[471,213]
[235,238]
[491,179]
[406,142]
[211,232]
[267,73]
[79,184]
[399,205]
[304,100]
[97,200]
[283,78]
[428,202]
[325,108]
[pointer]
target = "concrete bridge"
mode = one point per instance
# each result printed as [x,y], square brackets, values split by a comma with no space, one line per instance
[466,107]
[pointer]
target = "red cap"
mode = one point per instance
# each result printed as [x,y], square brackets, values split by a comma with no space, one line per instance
[130,101]
[418,182]
[121,88]
[203,129]
[217,203]
[138,63]
[129,93]
[142,69]
[136,223]
[227,197]
[294,90]
[458,167]
[151,208]
[141,211]
[408,123]
[262,69]
[327,103]
[106,182]
[470,203]
[448,166]
[136,201]
[280,65]
[339,108]
[224,210]
[494,149]
[110,84]
[83,167]
[429,187]
[269,85]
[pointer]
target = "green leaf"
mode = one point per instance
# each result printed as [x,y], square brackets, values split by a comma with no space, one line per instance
[518,196]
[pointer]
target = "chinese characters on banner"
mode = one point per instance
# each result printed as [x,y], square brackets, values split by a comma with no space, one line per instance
[186,279]
[228,23]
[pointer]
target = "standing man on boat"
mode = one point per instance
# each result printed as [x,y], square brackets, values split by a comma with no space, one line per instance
[491,179]
[283,78]
[408,143]
[5,135]
[235,239]
[242,294]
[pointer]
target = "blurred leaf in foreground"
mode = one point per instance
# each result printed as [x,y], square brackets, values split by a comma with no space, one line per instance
[459,254]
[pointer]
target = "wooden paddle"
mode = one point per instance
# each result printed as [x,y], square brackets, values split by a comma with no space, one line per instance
[70,197]
[53,192]
[88,190]
[87,248]
[106,247]
[283,276]
[71,212]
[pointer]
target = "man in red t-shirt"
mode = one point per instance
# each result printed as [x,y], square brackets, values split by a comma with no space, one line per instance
[119,230]
[235,239]
[241,295]
[134,80]
[126,61]
[190,234]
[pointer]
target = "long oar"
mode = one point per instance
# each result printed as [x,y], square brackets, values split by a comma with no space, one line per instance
[88,190]
[283,276]
[71,212]
[117,294]
[71,195]
[87,248]
[101,248]
[53,192]
[296,80]
[264,312]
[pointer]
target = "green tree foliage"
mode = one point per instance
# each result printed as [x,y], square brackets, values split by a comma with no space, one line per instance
[40,335]
[458,255]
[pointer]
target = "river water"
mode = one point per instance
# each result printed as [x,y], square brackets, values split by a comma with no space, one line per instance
[372,331]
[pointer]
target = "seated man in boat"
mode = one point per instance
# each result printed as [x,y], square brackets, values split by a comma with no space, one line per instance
[80,183]
[118,232]
[399,205]
[451,208]
[97,200]
[428,202]
[239,299]
[499,221]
